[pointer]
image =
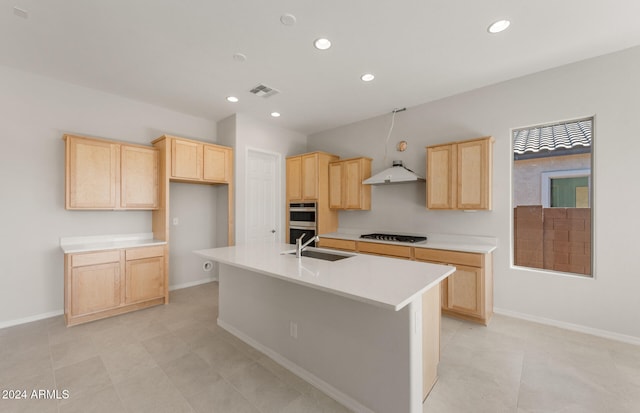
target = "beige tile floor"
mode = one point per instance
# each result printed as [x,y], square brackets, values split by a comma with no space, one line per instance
[175,359]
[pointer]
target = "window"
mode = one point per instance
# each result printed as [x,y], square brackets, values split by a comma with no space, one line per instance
[552,190]
[568,189]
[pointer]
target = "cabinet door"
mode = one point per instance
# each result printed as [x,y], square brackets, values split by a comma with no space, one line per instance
[144,279]
[389,250]
[139,177]
[338,244]
[441,172]
[95,288]
[215,163]
[186,160]
[310,177]
[92,174]
[474,174]
[464,291]
[444,293]
[336,188]
[352,183]
[294,178]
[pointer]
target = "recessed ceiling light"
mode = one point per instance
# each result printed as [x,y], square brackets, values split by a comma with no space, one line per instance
[322,43]
[497,27]
[367,77]
[232,99]
[275,114]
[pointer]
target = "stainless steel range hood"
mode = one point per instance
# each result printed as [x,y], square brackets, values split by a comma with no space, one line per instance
[396,174]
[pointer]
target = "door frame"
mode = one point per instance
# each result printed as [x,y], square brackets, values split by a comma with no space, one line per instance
[278,190]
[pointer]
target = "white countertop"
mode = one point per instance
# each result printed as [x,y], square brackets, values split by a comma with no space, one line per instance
[107,242]
[462,243]
[381,281]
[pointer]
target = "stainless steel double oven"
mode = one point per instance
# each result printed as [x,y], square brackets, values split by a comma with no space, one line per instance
[302,220]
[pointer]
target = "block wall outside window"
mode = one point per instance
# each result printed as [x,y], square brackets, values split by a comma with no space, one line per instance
[557,239]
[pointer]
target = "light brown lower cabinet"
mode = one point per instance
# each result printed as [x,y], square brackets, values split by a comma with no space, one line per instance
[387,250]
[468,292]
[337,244]
[144,274]
[106,283]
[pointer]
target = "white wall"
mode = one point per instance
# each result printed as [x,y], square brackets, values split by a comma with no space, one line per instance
[607,87]
[201,224]
[244,133]
[36,112]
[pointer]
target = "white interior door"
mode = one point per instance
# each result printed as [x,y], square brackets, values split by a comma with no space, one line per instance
[263,207]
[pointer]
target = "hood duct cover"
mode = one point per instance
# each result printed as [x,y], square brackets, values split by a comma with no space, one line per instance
[398,173]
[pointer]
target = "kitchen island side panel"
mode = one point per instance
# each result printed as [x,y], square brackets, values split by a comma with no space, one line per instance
[359,349]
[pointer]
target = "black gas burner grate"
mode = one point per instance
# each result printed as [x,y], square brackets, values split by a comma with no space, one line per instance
[394,237]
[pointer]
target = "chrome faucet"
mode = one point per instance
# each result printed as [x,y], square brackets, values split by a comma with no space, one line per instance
[300,246]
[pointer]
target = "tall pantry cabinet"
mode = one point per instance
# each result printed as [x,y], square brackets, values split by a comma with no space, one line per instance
[308,181]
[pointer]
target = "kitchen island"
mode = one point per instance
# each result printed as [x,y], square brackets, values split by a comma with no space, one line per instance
[364,329]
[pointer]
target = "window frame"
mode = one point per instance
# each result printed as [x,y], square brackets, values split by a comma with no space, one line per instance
[545,182]
[592,202]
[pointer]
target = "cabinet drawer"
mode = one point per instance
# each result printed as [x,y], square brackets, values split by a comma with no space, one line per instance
[144,252]
[94,258]
[341,244]
[384,249]
[449,257]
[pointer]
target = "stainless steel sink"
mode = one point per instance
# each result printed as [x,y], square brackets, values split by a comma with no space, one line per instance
[322,255]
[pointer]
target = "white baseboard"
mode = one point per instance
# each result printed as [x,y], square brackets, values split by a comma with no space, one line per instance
[11,323]
[569,326]
[317,382]
[193,283]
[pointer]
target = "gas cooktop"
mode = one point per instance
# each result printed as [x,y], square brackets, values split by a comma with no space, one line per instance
[394,237]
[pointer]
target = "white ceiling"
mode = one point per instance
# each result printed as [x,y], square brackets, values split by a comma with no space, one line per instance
[178,53]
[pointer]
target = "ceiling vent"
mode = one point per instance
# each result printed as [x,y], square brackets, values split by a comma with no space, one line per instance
[264,91]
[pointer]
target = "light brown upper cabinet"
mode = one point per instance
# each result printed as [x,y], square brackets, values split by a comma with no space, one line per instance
[186,159]
[103,174]
[216,163]
[308,176]
[139,177]
[294,177]
[193,161]
[346,190]
[441,177]
[459,175]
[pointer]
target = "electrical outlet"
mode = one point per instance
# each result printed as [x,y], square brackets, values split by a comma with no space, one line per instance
[176,221]
[293,329]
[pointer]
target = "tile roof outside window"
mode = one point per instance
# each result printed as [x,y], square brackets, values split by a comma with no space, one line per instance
[551,137]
